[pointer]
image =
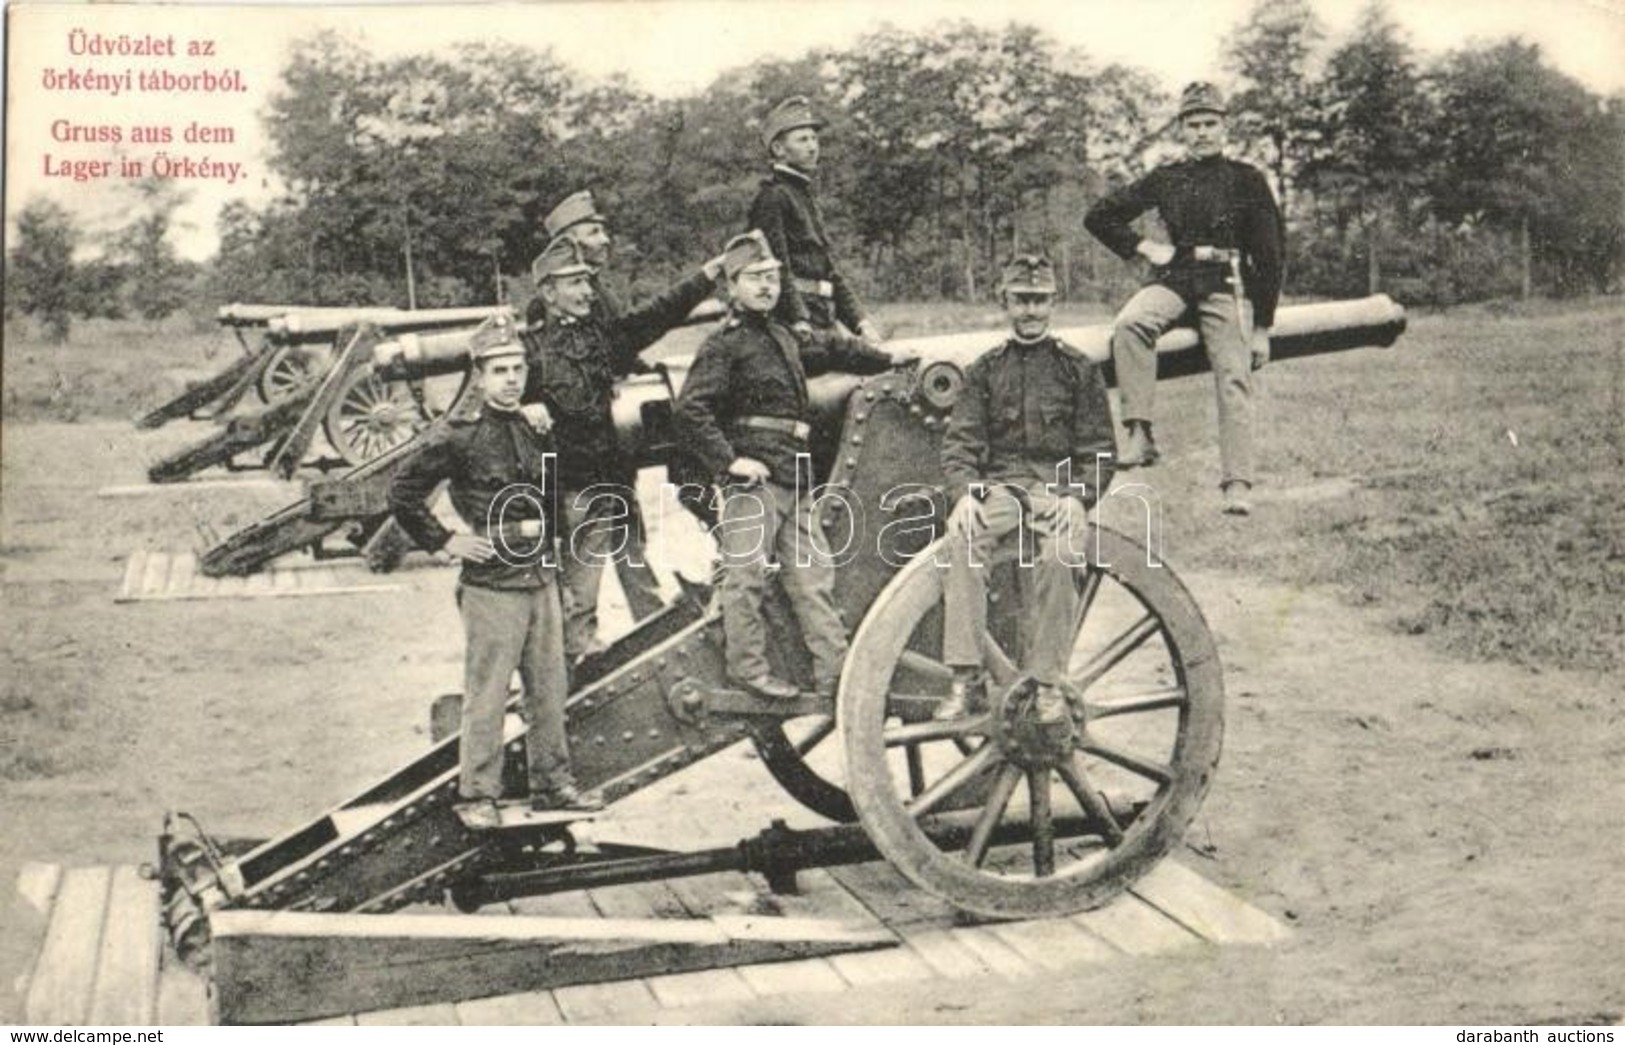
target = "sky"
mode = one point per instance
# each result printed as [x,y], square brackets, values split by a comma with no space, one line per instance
[670,49]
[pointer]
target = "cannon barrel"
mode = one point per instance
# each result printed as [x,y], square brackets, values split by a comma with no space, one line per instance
[305,326]
[240,314]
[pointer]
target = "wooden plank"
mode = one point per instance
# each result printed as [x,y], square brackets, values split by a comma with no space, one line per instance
[993,952]
[280,966]
[946,955]
[895,965]
[284,580]
[126,991]
[316,579]
[439,1015]
[1204,908]
[638,900]
[37,884]
[1053,945]
[130,587]
[154,573]
[894,899]
[556,905]
[183,571]
[810,976]
[710,894]
[332,1021]
[257,583]
[705,987]
[604,1001]
[530,1009]
[254,483]
[1134,927]
[59,990]
[183,996]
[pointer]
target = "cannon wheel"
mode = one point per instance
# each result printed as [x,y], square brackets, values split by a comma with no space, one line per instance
[289,369]
[371,416]
[1133,762]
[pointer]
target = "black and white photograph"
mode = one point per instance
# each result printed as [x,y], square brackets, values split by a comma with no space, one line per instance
[814,513]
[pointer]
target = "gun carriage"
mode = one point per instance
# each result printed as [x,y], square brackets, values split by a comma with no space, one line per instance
[998,813]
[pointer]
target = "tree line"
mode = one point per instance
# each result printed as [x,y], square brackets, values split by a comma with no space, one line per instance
[422,180]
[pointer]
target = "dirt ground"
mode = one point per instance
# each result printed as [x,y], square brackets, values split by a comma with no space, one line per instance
[1443,836]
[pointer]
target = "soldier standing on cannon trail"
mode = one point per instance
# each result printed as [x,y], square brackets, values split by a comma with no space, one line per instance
[786,211]
[575,359]
[495,461]
[1030,437]
[744,414]
[577,216]
[1224,264]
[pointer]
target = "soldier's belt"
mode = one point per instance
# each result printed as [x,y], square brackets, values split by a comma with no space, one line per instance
[1222,255]
[821,287]
[783,425]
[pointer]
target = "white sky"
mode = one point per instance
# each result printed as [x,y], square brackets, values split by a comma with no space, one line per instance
[671,48]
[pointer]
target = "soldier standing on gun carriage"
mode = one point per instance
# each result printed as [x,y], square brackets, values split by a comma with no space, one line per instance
[786,211]
[575,359]
[1030,438]
[744,414]
[1224,264]
[495,462]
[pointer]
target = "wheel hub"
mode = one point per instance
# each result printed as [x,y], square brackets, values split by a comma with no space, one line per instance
[1023,738]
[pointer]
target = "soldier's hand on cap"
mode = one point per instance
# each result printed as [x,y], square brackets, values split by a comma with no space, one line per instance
[1261,348]
[470,547]
[803,331]
[1156,253]
[536,415]
[713,267]
[749,469]
[968,515]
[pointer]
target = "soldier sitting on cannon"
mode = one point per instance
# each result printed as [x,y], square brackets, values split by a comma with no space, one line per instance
[744,414]
[495,461]
[1030,440]
[576,358]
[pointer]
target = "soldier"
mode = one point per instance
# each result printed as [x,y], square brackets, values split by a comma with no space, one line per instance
[743,414]
[576,358]
[495,462]
[577,215]
[786,211]
[1030,436]
[1224,264]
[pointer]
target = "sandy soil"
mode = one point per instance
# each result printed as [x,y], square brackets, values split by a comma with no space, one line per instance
[1442,835]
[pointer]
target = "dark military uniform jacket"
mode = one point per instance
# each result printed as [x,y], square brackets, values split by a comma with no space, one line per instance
[1024,408]
[753,366]
[574,364]
[1213,202]
[480,455]
[787,212]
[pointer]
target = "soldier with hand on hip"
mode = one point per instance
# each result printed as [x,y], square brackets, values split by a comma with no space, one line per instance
[815,294]
[1030,439]
[495,461]
[744,414]
[1224,265]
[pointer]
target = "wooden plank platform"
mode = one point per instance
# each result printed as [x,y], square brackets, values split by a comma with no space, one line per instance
[256,482]
[159,576]
[630,951]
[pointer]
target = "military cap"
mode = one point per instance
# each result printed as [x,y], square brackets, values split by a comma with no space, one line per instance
[561,257]
[572,210]
[495,337]
[750,252]
[1201,96]
[1028,274]
[787,116]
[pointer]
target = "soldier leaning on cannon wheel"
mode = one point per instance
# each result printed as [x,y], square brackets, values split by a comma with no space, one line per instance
[744,415]
[815,294]
[1025,440]
[494,463]
[577,356]
[1224,264]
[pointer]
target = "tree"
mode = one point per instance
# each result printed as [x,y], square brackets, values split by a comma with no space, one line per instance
[155,281]
[1271,54]
[41,269]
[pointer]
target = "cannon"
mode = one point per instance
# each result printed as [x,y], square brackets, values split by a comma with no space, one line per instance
[999,814]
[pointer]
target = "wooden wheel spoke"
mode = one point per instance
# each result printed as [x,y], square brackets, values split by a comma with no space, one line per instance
[924,732]
[926,666]
[1077,781]
[1131,762]
[816,735]
[1155,700]
[998,800]
[999,665]
[916,769]
[1115,651]
[1086,599]
[965,772]
[1043,822]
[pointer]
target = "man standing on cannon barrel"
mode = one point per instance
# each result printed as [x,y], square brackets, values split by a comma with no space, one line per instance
[1224,265]
[575,359]
[496,461]
[1030,437]
[786,211]
[744,414]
